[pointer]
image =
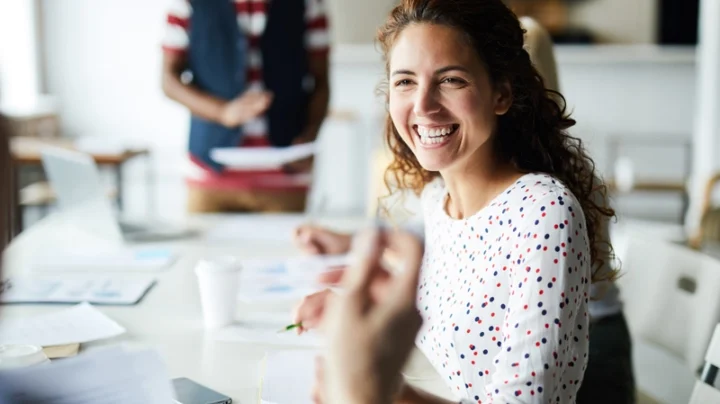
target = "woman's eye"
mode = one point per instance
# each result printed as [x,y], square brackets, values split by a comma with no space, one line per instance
[403,82]
[453,80]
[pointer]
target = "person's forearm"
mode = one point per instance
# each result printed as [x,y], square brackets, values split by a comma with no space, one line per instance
[411,395]
[317,110]
[199,103]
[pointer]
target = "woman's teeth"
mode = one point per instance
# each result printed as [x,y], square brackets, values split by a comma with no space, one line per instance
[429,136]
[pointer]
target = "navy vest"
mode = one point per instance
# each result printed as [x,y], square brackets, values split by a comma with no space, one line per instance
[217,59]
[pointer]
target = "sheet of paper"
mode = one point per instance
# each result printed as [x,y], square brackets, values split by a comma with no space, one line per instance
[111,376]
[284,279]
[266,228]
[307,267]
[263,328]
[81,323]
[75,289]
[101,260]
[289,377]
[261,158]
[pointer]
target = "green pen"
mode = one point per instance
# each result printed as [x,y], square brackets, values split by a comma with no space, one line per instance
[290,327]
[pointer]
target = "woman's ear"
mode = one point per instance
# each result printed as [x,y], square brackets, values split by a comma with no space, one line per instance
[503,97]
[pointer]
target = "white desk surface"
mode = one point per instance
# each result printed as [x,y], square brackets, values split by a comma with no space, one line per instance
[169,320]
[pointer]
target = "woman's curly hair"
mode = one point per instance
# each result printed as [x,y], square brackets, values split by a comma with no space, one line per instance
[532,135]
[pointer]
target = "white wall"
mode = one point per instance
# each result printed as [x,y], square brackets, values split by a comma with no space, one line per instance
[103,60]
[19,75]
[356,22]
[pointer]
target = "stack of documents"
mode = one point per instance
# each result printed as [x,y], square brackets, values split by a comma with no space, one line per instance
[78,324]
[261,158]
[110,376]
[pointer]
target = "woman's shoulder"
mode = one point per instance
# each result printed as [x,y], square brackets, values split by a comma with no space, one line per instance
[539,191]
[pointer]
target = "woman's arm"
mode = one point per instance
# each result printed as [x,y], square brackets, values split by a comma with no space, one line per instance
[545,333]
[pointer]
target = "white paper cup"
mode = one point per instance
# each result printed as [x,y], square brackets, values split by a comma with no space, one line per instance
[219,282]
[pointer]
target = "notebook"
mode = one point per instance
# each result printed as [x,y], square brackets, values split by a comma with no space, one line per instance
[288,377]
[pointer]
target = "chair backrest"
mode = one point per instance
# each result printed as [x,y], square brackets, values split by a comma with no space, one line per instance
[670,296]
[539,46]
[706,389]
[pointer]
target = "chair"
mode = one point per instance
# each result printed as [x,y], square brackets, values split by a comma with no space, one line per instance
[670,297]
[709,231]
[705,390]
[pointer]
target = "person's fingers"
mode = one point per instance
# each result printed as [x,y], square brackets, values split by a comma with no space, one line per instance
[333,276]
[305,240]
[402,294]
[365,254]
[338,309]
[310,310]
[412,251]
[382,286]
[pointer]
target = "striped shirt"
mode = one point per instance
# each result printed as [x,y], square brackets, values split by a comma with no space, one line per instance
[252,18]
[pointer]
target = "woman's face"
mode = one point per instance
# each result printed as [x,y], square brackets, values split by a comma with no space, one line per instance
[441,99]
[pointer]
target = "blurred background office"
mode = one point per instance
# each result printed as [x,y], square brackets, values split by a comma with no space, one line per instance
[88,73]
[88,69]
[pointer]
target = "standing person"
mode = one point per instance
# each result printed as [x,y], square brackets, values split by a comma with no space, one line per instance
[252,73]
[512,226]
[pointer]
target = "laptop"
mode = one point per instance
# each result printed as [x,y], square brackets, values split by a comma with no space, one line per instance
[76,181]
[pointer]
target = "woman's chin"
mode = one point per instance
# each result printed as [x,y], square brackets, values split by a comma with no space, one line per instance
[432,163]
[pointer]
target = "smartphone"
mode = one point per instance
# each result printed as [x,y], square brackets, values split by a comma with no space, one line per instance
[190,392]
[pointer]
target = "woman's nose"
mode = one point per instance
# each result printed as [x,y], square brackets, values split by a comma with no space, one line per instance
[426,102]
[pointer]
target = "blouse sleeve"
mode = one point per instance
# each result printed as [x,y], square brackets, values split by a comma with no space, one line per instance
[542,335]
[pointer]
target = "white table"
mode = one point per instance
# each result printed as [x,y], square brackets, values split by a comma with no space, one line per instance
[168,319]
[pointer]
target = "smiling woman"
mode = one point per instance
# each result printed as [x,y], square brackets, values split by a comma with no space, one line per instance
[509,201]
[512,218]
